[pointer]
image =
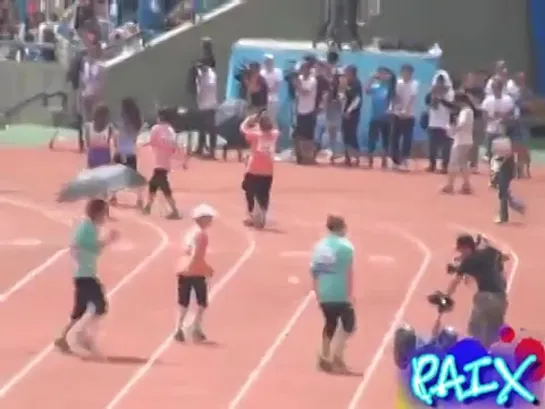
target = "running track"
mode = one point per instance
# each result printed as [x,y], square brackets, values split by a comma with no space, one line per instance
[263,321]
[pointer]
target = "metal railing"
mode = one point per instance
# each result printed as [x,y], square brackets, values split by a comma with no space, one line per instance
[43,100]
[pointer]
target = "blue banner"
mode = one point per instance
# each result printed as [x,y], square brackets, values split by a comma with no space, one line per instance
[536,20]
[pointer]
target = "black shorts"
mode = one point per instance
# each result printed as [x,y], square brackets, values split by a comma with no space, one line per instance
[257,184]
[127,160]
[305,124]
[339,311]
[88,290]
[197,284]
[159,181]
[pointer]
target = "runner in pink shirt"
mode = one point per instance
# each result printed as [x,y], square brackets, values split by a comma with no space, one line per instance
[163,144]
[262,137]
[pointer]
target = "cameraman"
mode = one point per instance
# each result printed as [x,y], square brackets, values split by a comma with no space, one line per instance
[484,264]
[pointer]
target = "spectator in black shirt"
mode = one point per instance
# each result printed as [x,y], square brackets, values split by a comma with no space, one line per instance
[351,115]
[256,88]
[485,266]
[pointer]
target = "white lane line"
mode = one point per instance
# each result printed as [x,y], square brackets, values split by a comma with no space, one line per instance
[282,336]
[30,275]
[379,353]
[141,266]
[143,370]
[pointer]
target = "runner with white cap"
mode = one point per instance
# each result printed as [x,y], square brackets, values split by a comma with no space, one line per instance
[194,271]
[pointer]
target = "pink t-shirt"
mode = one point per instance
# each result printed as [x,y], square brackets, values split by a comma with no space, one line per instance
[262,151]
[163,144]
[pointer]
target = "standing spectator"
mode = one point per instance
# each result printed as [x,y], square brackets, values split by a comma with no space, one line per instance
[207,102]
[439,102]
[323,81]
[208,57]
[497,107]
[91,77]
[333,106]
[404,117]
[256,89]
[462,134]
[351,115]
[306,88]
[474,87]
[501,74]
[521,128]
[274,78]
[380,90]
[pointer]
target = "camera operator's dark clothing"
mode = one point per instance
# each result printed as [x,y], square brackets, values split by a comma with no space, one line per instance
[486,267]
[490,302]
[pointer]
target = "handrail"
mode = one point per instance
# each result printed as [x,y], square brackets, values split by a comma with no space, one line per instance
[44,96]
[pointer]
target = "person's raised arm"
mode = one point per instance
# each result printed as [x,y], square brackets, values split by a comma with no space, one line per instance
[247,127]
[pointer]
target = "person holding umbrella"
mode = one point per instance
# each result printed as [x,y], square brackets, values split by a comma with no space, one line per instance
[125,142]
[86,249]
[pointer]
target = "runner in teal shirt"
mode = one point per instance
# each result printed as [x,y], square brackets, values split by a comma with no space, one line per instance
[332,271]
[86,248]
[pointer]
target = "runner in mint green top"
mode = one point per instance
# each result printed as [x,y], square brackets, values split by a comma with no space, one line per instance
[332,270]
[86,248]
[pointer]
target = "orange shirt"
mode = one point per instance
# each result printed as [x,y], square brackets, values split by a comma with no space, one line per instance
[262,150]
[193,262]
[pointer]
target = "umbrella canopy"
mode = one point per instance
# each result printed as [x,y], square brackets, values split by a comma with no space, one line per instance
[98,182]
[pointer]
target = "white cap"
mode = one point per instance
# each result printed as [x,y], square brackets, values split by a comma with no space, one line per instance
[203,210]
[269,57]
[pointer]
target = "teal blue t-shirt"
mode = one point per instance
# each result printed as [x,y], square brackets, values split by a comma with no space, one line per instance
[86,248]
[330,265]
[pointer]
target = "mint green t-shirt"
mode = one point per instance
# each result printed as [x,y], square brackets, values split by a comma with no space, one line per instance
[330,265]
[86,249]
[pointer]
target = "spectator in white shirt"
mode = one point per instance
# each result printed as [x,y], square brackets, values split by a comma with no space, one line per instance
[274,78]
[207,102]
[497,108]
[501,74]
[404,117]
[306,88]
[462,135]
[440,103]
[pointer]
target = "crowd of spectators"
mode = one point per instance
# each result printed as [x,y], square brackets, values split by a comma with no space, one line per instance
[28,39]
[327,100]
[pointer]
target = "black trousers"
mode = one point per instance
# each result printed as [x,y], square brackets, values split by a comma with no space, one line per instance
[379,129]
[335,313]
[257,188]
[402,138]
[439,144]
[207,126]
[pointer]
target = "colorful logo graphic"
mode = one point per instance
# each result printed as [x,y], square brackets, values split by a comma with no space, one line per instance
[510,374]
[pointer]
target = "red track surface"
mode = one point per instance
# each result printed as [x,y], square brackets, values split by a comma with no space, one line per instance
[265,326]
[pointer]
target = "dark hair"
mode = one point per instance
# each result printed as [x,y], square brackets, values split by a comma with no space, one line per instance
[332,57]
[335,223]
[101,117]
[130,113]
[164,115]
[95,208]
[408,68]
[465,241]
